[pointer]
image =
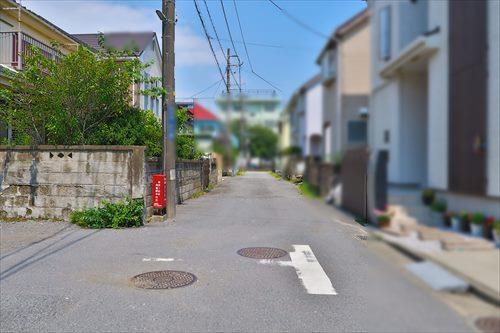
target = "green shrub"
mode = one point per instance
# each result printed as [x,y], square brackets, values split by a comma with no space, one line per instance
[496,226]
[123,214]
[478,218]
[439,206]
[428,196]
[383,219]
[464,216]
[308,190]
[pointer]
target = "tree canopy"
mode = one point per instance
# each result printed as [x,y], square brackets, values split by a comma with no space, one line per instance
[263,142]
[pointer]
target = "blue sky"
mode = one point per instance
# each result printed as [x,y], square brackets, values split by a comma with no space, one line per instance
[287,66]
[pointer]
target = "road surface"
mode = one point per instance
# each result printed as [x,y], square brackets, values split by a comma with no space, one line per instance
[79,280]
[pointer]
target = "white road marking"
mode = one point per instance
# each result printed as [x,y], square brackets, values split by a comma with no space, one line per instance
[160,259]
[308,270]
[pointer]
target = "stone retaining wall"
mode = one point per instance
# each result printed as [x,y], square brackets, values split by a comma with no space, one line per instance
[51,181]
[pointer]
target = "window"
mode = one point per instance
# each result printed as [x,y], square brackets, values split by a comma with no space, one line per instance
[356,131]
[385,33]
[269,107]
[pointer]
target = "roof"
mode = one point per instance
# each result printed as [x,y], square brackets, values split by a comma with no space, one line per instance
[343,30]
[136,41]
[45,21]
[201,113]
[310,83]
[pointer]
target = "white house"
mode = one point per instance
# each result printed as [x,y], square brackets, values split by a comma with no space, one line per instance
[145,47]
[305,110]
[434,97]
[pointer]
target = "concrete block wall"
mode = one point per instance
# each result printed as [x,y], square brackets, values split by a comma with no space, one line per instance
[50,181]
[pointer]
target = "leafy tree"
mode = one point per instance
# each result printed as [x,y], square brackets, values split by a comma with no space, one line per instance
[185,141]
[263,142]
[66,101]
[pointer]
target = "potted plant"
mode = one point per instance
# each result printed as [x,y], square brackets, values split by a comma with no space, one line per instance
[488,227]
[465,218]
[383,220]
[477,222]
[496,232]
[456,222]
[438,207]
[447,218]
[428,196]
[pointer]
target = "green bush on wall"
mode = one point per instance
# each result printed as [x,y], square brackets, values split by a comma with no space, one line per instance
[123,214]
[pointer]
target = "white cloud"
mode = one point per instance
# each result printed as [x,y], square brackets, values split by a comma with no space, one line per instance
[81,17]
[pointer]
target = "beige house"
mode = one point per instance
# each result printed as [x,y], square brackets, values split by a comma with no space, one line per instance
[21,28]
[345,71]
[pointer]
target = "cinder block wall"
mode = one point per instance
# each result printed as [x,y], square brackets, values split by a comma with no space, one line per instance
[50,181]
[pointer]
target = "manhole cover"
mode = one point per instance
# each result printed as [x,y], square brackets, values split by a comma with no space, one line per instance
[488,324]
[262,252]
[163,280]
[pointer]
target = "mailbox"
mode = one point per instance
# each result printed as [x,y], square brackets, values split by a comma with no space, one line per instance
[158,191]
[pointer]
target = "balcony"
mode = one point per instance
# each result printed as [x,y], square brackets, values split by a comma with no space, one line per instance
[12,52]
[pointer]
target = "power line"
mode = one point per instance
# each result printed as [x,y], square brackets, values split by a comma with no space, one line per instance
[299,22]
[229,30]
[207,88]
[208,39]
[246,49]
[218,39]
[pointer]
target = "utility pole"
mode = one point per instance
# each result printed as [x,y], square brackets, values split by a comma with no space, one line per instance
[167,16]
[229,152]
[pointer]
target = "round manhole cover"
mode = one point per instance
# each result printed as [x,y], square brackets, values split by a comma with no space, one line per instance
[262,252]
[163,280]
[488,324]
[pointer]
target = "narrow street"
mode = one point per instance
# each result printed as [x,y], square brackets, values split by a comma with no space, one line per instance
[80,280]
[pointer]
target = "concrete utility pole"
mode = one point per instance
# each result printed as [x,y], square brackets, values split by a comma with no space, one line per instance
[229,110]
[167,16]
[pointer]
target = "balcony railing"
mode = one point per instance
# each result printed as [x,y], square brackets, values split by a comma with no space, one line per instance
[12,53]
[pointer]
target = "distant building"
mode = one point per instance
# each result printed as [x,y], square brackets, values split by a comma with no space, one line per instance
[207,127]
[256,110]
[145,47]
[305,110]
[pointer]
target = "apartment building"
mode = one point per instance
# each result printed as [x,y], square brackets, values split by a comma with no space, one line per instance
[434,97]
[345,75]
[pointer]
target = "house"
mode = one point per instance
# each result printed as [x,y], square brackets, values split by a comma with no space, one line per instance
[345,76]
[259,108]
[434,103]
[305,110]
[20,28]
[207,127]
[143,46]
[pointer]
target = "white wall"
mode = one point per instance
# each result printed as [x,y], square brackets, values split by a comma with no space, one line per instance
[151,54]
[384,108]
[412,145]
[493,161]
[437,158]
[314,113]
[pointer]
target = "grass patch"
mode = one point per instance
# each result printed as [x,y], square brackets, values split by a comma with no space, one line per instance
[122,214]
[308,190]
[241,172]
[201,193]
[275,175]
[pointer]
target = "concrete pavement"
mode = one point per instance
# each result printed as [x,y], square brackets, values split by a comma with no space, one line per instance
[79,280]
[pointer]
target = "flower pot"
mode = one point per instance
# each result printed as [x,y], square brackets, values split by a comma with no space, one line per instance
[427,200]
[456,224]
[476,230]
[496,237]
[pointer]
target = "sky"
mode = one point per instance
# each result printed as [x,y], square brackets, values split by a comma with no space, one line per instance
[287,60]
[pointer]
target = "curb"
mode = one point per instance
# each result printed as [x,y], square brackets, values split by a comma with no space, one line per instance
[477,287]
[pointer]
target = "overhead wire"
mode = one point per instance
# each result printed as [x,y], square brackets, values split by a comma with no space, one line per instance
[246,49]
[208,39]
[299,22]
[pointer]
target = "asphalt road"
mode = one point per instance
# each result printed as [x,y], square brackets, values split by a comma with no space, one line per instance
[79,280]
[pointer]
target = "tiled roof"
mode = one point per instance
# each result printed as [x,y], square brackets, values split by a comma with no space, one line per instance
[136,41]
[201,113]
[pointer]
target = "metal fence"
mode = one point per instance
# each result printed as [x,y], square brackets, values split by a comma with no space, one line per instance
[12,52]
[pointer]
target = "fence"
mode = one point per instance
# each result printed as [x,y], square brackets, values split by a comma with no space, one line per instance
[48,182]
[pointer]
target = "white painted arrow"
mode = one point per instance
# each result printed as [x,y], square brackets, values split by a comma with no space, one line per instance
[308,269]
